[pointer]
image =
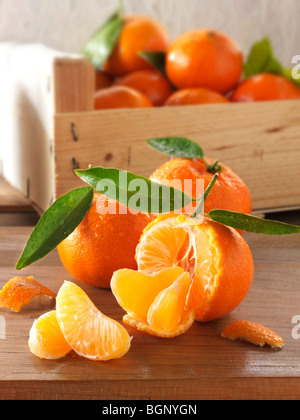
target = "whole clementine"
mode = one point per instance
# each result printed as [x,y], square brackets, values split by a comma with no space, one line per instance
[103,242]
[103,80]
[139,33]
[217,258]
[120,97]
[206,59]
[195,96]
[265,87]
[150,82]
[229,192]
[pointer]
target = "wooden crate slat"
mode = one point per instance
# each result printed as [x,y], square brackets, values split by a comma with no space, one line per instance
[259,141]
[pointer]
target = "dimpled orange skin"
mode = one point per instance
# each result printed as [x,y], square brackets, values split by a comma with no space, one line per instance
[195,96]
[102,244]
[229,192]
[139,33]
[116,97]
[265,87]
[150,82]
[236,276]
[205,58]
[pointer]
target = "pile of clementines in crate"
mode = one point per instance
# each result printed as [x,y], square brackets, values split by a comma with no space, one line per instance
[144,69]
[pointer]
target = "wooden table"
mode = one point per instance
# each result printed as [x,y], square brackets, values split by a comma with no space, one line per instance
[198,365]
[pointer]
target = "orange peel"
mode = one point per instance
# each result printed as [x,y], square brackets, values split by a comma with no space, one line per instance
[253,333]
[20,291]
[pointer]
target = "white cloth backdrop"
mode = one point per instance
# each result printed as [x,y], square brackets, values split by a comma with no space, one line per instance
[66,24]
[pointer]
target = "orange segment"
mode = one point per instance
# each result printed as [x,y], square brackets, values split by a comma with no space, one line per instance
[253,333]
[217,258]
[155,304]
[20,291]
[168,309]
[90,333]
[46,340]
[136,291]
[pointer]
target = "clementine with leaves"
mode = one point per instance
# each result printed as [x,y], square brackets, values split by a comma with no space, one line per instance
[139,33]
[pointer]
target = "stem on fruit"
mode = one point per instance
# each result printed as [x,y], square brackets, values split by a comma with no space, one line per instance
[203,198]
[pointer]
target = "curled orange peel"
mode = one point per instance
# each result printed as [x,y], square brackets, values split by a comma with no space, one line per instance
[20,291]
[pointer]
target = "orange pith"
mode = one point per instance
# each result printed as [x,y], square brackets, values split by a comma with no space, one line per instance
[253,333]
[20,291]
[155,304]
[217,258]
[89,333]
[46,340]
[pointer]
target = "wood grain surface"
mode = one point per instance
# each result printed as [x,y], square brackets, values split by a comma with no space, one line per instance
[198,365]
[259,141]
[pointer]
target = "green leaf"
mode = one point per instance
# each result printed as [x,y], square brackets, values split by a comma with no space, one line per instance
[101,44]
[261,60]
[177,146]
[136,192]
[56,224]
[157,59]
[253,224]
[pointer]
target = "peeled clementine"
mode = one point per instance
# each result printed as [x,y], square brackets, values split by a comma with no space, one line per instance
[155,303]
[216,257]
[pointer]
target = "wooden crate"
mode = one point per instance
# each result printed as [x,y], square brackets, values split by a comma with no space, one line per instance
[260,141]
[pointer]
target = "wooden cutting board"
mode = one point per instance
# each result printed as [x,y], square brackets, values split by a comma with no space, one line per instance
[198,365]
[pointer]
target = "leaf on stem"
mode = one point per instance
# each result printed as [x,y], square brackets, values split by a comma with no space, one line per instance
[177,146]
[56,224]
[252,224]
[136,192]
[101,44]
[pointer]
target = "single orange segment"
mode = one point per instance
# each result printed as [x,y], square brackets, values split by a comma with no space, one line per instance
[20,291]
[253,333]
[46,340]
[88,332]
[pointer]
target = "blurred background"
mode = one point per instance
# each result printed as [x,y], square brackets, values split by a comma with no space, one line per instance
[65,25]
